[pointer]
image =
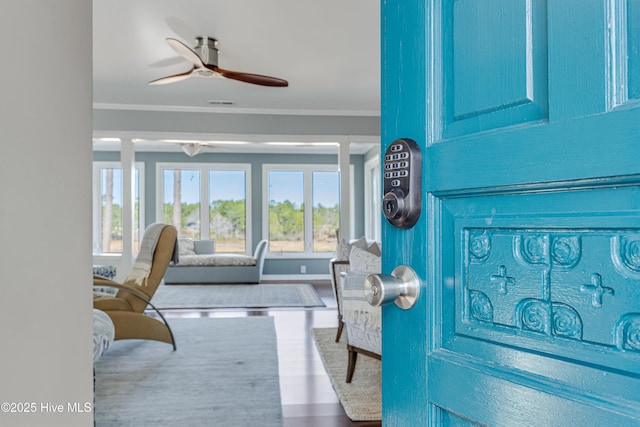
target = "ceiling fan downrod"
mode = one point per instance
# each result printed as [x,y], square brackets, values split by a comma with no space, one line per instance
[207,49]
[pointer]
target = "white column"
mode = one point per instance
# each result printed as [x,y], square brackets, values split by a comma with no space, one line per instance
[345,191]
[127,160]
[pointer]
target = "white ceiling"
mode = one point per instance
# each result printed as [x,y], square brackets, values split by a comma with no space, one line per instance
[328,51]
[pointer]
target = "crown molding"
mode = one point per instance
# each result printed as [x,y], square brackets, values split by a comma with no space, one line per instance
[237,110]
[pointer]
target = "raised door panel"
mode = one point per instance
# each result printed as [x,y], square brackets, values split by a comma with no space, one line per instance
[495,72]
[539,307]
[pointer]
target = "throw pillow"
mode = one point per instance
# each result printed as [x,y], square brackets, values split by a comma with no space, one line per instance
[342,251]
[375,249]
[186,246]
[344,248]
[204,247]
[364,261]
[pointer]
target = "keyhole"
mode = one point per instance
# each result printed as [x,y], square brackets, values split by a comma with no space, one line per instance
[375,290]
[390,206]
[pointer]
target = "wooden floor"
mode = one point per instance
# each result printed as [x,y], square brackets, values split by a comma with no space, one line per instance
[308,399]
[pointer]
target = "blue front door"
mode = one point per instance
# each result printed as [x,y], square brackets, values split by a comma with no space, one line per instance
[527,113]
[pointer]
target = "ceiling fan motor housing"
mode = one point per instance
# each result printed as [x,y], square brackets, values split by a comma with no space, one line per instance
[207,50]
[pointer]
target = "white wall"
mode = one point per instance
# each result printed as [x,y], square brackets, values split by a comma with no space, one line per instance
[45,217]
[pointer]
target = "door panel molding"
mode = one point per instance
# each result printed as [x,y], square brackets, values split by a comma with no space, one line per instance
[531,401]
[622,181]
[577,149]
[623,45]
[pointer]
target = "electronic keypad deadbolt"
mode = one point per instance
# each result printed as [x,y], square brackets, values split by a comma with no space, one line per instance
[402,181]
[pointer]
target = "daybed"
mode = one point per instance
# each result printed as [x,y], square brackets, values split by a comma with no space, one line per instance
[197,263]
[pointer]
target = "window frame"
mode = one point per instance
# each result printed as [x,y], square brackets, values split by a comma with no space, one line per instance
[307,170]
[373,199]
[204,169]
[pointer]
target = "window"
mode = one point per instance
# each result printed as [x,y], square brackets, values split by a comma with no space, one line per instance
[107,207]
[302,208]
[182,201]
[326,209]
[286,211]
[228,209]
[207,201]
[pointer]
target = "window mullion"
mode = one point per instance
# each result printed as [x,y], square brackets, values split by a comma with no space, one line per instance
[308,210]
[205,222]
[97,207]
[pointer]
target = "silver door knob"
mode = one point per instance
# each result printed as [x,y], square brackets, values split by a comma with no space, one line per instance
[401,287]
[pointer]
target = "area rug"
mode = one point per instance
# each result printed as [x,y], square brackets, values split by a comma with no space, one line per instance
[362,398]
[224,373]
[236,296]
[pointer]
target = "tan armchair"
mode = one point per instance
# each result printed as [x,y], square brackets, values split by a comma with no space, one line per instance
[126,308]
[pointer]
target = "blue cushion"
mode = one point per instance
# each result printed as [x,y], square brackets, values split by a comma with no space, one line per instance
[203,247]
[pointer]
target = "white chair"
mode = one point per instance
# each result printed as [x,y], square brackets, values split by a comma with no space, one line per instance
[362,321]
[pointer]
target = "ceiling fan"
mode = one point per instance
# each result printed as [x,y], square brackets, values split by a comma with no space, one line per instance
[204,58]
[194,147]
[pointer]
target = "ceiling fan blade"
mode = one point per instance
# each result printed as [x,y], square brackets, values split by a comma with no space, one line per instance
[168,62]
[172,79]
[185,51]
[255,79]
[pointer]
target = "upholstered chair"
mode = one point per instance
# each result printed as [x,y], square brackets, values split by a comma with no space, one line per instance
[127,307]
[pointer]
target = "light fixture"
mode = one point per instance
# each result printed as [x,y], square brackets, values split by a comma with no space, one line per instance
[106,139]
[192,149]
[305,144]
[202,142]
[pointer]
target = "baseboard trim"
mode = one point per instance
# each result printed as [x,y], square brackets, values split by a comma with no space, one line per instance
[300,277]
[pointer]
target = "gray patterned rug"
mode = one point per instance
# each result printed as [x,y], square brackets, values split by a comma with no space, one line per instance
[210,380]
[236,296]
[362,398]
